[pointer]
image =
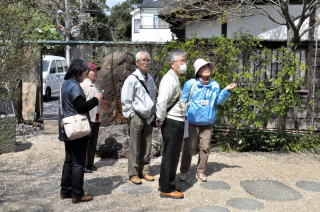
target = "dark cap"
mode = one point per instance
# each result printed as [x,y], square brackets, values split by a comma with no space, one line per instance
[92,67]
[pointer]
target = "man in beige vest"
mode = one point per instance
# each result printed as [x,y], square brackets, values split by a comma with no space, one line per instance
[90,90]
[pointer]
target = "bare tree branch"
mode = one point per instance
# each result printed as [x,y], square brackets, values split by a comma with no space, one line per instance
[310,28]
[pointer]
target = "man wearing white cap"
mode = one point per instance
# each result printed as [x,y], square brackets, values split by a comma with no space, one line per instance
[202,95]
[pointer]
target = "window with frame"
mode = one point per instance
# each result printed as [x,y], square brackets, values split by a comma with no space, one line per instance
[64,63]
[53,67]
[137,24]
[59,66]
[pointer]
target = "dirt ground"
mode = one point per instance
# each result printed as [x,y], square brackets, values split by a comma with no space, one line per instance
[30,181]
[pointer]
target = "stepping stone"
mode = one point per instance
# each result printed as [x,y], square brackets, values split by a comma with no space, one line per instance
[209,209]
[270,190]
[215,185]
[245,204]
[137,189]
[309,185]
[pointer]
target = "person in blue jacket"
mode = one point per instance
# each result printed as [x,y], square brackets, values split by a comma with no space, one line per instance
[202,95]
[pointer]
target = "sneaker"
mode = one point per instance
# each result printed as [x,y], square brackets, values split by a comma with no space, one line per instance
[183,176]
[202,177]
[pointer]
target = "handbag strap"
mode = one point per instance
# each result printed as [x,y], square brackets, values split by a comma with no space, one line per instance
[145,87]
[174,103]
[60,102]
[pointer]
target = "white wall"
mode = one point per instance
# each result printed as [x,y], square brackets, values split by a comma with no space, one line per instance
[203,29]
[146,17]
[257,25]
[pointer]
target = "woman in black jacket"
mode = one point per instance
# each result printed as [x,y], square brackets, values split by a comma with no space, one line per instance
[73,102]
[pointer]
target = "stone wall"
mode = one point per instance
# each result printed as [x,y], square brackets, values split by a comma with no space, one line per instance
[7,134]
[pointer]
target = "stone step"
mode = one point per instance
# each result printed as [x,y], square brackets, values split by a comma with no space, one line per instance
[50,126]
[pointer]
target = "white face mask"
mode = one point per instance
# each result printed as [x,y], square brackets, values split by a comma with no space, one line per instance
[183,68]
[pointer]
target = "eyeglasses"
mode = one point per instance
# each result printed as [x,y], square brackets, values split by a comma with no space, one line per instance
[145,60]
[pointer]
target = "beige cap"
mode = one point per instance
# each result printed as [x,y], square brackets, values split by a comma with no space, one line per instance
[198,64]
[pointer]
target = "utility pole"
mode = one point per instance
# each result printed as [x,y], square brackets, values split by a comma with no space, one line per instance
[67,30]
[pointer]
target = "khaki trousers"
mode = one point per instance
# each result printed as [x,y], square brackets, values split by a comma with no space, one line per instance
[139,146]
[199,140]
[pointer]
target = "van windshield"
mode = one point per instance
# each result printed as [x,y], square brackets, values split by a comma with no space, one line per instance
[45,65]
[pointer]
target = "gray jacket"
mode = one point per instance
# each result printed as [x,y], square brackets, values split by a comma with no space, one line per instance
[134,97]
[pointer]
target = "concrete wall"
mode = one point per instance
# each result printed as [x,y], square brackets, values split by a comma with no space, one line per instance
[7,134]
[31,90]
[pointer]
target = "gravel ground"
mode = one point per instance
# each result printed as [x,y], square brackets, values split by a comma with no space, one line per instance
[30,180]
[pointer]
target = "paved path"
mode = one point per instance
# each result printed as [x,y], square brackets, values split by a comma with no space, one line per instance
[266,182]
[51,108]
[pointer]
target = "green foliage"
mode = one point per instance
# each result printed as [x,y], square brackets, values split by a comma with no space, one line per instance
[258,98]
[259,140]
[96,27]
[120,21]
[41,27]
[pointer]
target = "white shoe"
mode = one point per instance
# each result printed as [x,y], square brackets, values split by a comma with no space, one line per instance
[183,176]
[202,177]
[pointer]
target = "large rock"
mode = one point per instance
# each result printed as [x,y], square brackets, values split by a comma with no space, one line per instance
[115,69]
[113,142]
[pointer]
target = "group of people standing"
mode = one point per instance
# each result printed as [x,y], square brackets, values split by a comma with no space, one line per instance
[179,111]
[194,105]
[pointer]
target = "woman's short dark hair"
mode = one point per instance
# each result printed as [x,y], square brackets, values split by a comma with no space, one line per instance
[76,68]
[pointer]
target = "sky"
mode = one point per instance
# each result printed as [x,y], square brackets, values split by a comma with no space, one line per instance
[111,3]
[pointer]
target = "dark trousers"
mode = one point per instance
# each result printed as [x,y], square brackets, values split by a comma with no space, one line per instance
[92,143]
[172,133]
[73,167]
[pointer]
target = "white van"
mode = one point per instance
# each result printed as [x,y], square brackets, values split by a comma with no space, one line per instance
[53,70]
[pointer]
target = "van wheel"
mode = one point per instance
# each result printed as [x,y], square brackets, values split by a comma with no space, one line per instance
[47,95]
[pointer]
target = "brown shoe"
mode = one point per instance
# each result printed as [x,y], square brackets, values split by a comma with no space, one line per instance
[136,180]
[173,195]
[85,198]
[176,188]
[147,177]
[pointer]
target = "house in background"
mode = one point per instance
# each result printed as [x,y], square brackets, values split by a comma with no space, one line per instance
[185,26]
[147,26]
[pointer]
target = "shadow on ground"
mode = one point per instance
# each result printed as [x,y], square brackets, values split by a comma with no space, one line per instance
[155,170]
[103,186]
[22,146]
[212,167]
[105,162]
